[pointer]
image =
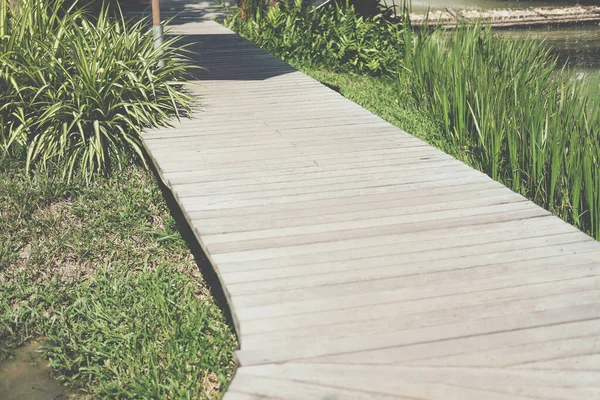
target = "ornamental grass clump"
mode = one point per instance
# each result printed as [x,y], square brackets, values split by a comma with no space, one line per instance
[77,88]
[523,121]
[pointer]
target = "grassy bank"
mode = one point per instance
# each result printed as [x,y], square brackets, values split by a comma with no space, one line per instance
[100,272]
[91,262]
[502,107]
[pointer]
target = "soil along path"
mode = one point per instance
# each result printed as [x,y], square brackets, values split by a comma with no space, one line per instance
[504,18]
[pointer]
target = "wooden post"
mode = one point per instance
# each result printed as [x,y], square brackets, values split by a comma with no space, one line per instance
[157,29]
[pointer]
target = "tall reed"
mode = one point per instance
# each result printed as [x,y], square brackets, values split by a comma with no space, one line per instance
[3,17]
[525,123]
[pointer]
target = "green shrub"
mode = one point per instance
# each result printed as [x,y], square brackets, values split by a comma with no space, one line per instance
[527,124]
[79,88]
[334,36]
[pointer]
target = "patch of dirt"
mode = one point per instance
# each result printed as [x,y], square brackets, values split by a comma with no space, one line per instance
[24,254]
[27,376]
[211,385]
[36,258]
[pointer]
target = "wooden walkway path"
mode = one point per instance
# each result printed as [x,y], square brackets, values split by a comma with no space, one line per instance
[361,263]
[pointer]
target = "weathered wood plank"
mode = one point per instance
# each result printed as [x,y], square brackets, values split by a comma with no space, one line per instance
[376,341]
[311,300]
[411,314]
[272,388]
[362,263]
[420,352]
[369,222]
[442,383]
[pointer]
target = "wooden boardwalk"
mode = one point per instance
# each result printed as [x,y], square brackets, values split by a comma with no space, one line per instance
[361,263]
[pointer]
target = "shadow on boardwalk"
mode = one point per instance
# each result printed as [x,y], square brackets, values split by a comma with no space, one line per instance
[212,51]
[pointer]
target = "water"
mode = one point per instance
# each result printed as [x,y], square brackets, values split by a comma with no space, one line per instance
[424,5]
[577,45]
[27,377]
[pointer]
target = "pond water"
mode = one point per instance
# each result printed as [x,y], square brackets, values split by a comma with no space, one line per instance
[423,5]
[577,45]
[27,377]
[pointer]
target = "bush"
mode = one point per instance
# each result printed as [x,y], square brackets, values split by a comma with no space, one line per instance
[78,88]
[334,36]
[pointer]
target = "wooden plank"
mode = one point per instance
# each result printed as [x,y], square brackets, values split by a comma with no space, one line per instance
[263,280]
[307,216]
[308,181]
[400,317]
[369,222]
[308,300]
[296,244]
[426,287]
[318,153]
[576,362]
[219,178]
[440,383]
[277,388]
[421,352]
[362,263]
[233,173]
[417,335]
[383,264]
[284,146]
[214,203]
[524,355]
[231,146]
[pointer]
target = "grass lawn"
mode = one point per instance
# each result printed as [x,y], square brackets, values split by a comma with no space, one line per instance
[102,276]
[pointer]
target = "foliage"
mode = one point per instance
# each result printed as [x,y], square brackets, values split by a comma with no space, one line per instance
[77,89]
[335,36]
[527,124]
[100,271]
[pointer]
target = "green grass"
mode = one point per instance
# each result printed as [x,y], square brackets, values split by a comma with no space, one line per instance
[78,86]
[334,36]
[529,125]
[99,271]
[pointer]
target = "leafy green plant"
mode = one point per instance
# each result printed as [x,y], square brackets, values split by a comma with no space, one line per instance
[335,36]
[528,124]
[79,88]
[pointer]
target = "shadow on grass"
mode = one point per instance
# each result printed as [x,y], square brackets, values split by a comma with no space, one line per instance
[211,277]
